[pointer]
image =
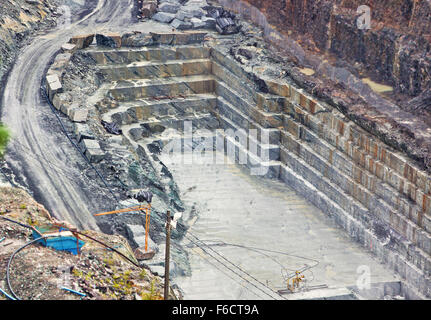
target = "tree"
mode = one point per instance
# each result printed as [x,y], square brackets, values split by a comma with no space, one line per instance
[4,139]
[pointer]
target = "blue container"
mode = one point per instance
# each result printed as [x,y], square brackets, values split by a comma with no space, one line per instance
[61,240]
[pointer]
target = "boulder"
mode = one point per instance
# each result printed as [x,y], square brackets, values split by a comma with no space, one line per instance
[188,12]
[197,23]
[82,41]
[141,254]
[169,7]
[83,131]
[91,148]
[68,48]
[181,25]
[148,9]
[226,26]
[59,64]
[61,99]
[164,17]
[112,40]
[209,23]
[78,114]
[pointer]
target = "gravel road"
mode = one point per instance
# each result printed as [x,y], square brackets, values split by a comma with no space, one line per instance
[39,155]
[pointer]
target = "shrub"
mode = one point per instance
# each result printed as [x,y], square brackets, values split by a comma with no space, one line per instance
[4,138]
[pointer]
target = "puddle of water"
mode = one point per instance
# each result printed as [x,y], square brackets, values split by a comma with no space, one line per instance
[377,87]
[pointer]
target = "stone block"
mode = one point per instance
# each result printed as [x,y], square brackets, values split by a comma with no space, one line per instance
[136,39]
[169,7]
[59,64]
[164,17]
[209,23]
[68,48]
[92,150]
[83,131]
[112,40]
[178,38]
[53,85]
[148,9]
[65,107]
[197,23]
[82,41]
[181,25]
[95,155]
[78,114]
[60,99]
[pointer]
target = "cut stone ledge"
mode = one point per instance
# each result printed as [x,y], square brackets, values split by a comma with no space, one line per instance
[112,40]
[179,38]
[82,41]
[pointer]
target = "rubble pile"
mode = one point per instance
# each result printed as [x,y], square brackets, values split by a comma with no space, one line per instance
[196,14]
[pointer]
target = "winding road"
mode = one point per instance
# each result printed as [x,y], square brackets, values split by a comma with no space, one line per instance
[39,154]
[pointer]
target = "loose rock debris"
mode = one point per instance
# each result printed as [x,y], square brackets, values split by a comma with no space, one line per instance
[41,273]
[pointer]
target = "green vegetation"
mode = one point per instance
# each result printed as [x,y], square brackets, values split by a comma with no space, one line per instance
[4,139]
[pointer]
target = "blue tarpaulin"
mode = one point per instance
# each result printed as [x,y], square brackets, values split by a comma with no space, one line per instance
[58,239]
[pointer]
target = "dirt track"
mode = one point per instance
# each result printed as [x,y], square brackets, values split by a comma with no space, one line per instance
[39,154]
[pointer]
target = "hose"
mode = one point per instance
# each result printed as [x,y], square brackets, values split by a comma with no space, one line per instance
[84,235]
[16,222]
[45,95]
[9,264]
[14,295]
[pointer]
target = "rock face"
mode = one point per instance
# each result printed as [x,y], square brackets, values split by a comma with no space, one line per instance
[18,19]
[136,39]
[396,49]
[97,272]
[112,40]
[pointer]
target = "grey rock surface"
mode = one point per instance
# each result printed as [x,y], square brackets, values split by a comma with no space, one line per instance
[169,7]
[164,17]
[181,25]
[136,39]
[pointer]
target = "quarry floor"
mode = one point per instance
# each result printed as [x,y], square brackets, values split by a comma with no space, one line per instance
[235,209]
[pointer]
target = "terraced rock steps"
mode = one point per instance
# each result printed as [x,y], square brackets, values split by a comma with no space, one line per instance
[373,192]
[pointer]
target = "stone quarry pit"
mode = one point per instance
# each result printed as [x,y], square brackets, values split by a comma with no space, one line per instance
[270,178]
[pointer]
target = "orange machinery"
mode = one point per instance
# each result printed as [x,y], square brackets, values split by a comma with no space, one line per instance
[145,209]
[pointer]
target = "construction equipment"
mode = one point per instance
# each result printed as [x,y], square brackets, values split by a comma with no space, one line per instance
[144,209]
[295,281]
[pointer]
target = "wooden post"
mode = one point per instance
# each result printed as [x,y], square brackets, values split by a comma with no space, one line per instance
[167,254]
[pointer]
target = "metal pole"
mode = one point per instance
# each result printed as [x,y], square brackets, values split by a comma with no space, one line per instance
[167,254]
